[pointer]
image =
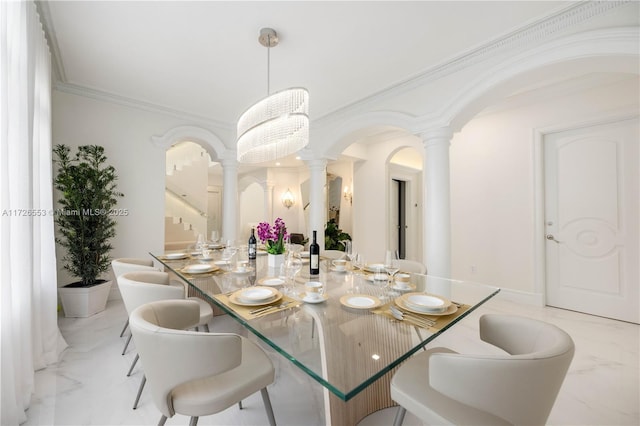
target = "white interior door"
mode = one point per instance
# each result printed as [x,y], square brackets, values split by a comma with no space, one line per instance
[592,220]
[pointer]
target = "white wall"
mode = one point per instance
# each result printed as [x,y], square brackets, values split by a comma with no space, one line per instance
[492,182]
[370,212]
[125,134]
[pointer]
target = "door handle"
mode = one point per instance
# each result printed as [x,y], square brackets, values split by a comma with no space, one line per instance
[550,237]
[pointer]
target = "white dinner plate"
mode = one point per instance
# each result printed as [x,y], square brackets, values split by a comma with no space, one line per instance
[271,281]
[360,301]
[234,299]
[175,256]
[256,294]
[304,254]
[199,269]
[333,269]
[450,310]
[426,303]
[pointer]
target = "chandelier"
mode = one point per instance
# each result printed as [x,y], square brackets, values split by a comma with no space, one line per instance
[276,126]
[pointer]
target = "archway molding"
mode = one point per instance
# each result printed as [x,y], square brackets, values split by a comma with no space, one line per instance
[207,139]
[610,50]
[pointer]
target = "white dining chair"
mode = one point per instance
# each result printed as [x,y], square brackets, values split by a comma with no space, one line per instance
[142,287]
[197,374]
[129,264]
[519,387]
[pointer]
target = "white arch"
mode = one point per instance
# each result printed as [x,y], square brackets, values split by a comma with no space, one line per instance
[207,139]
[338,137]
[609,50]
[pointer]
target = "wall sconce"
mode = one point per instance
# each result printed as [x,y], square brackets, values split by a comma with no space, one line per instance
[348,195]
[287,199]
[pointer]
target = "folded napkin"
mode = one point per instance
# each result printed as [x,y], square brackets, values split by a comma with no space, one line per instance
[245,311]
[440,321]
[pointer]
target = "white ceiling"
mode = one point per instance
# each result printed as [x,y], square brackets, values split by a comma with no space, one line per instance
[203,58]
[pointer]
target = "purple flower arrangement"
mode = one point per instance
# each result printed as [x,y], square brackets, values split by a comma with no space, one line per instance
[273,237]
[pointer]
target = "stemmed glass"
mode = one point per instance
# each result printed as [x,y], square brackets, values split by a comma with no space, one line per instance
[200,243]
[391,266]
[215,237]
[227,255]
[292,267]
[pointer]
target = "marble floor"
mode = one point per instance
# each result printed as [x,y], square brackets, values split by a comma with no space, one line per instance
[89,385]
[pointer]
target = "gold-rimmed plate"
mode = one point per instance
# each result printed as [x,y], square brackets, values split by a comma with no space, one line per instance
[233,298]
[199,268]
[450,310]
[360,301]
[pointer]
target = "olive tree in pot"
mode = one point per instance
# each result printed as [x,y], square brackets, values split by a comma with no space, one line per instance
[85,225]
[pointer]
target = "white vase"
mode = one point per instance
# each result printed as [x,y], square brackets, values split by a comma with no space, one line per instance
[275,260]
[81,302]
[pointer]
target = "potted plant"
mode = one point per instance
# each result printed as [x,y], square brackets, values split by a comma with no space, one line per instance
[333,236]
[273,238]
[86,224]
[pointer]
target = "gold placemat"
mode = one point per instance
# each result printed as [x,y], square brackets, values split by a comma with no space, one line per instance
[440,321]
[245,311]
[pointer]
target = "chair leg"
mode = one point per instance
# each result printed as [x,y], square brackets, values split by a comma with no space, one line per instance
[206,328]
[126,344]
[193,421]
[240,405]
[142,383]
[197,328]
[126,324]
[163,420]
[313,326]
[267,406]
[133,364]
[424,348]
[397,421]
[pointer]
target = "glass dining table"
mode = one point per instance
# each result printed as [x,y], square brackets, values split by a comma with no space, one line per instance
[349,347]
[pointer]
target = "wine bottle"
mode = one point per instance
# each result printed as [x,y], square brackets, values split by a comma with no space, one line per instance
[253,244]
[314,254]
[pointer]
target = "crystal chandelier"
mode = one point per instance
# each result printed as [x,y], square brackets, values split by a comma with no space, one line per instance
[276,126]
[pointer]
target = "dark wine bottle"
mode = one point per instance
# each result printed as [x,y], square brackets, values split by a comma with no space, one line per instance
[314,254]
[253,244]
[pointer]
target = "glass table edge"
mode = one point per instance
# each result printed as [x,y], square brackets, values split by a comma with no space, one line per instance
[345,396]
[266,340]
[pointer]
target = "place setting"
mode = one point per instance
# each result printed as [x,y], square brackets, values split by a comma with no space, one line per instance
[199,269]
[422,309]
[256,301]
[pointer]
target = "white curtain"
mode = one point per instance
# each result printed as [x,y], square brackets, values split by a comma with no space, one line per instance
[29,338]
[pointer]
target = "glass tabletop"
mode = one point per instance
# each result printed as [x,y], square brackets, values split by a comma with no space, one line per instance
[340,342]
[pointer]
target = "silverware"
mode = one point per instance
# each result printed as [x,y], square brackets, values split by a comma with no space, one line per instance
[268,308]
[400,315]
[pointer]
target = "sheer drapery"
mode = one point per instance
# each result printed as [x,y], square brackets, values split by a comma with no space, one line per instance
[29,338]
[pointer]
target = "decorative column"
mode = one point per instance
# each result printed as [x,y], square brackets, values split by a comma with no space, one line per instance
[317,198]
[437,202]
[229,196]
[268,200]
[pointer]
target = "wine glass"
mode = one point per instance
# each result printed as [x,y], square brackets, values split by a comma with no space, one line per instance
[293,266]
[200,243]
[215,237]
[391,266]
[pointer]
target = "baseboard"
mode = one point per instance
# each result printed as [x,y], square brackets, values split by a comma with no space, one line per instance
[524,298]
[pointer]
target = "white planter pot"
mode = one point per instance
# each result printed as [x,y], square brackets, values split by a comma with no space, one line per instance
[275,260]
[81,302]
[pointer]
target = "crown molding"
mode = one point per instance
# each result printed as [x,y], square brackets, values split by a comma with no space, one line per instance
[142,105]
[519,40]
[516,40]
[50,34]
